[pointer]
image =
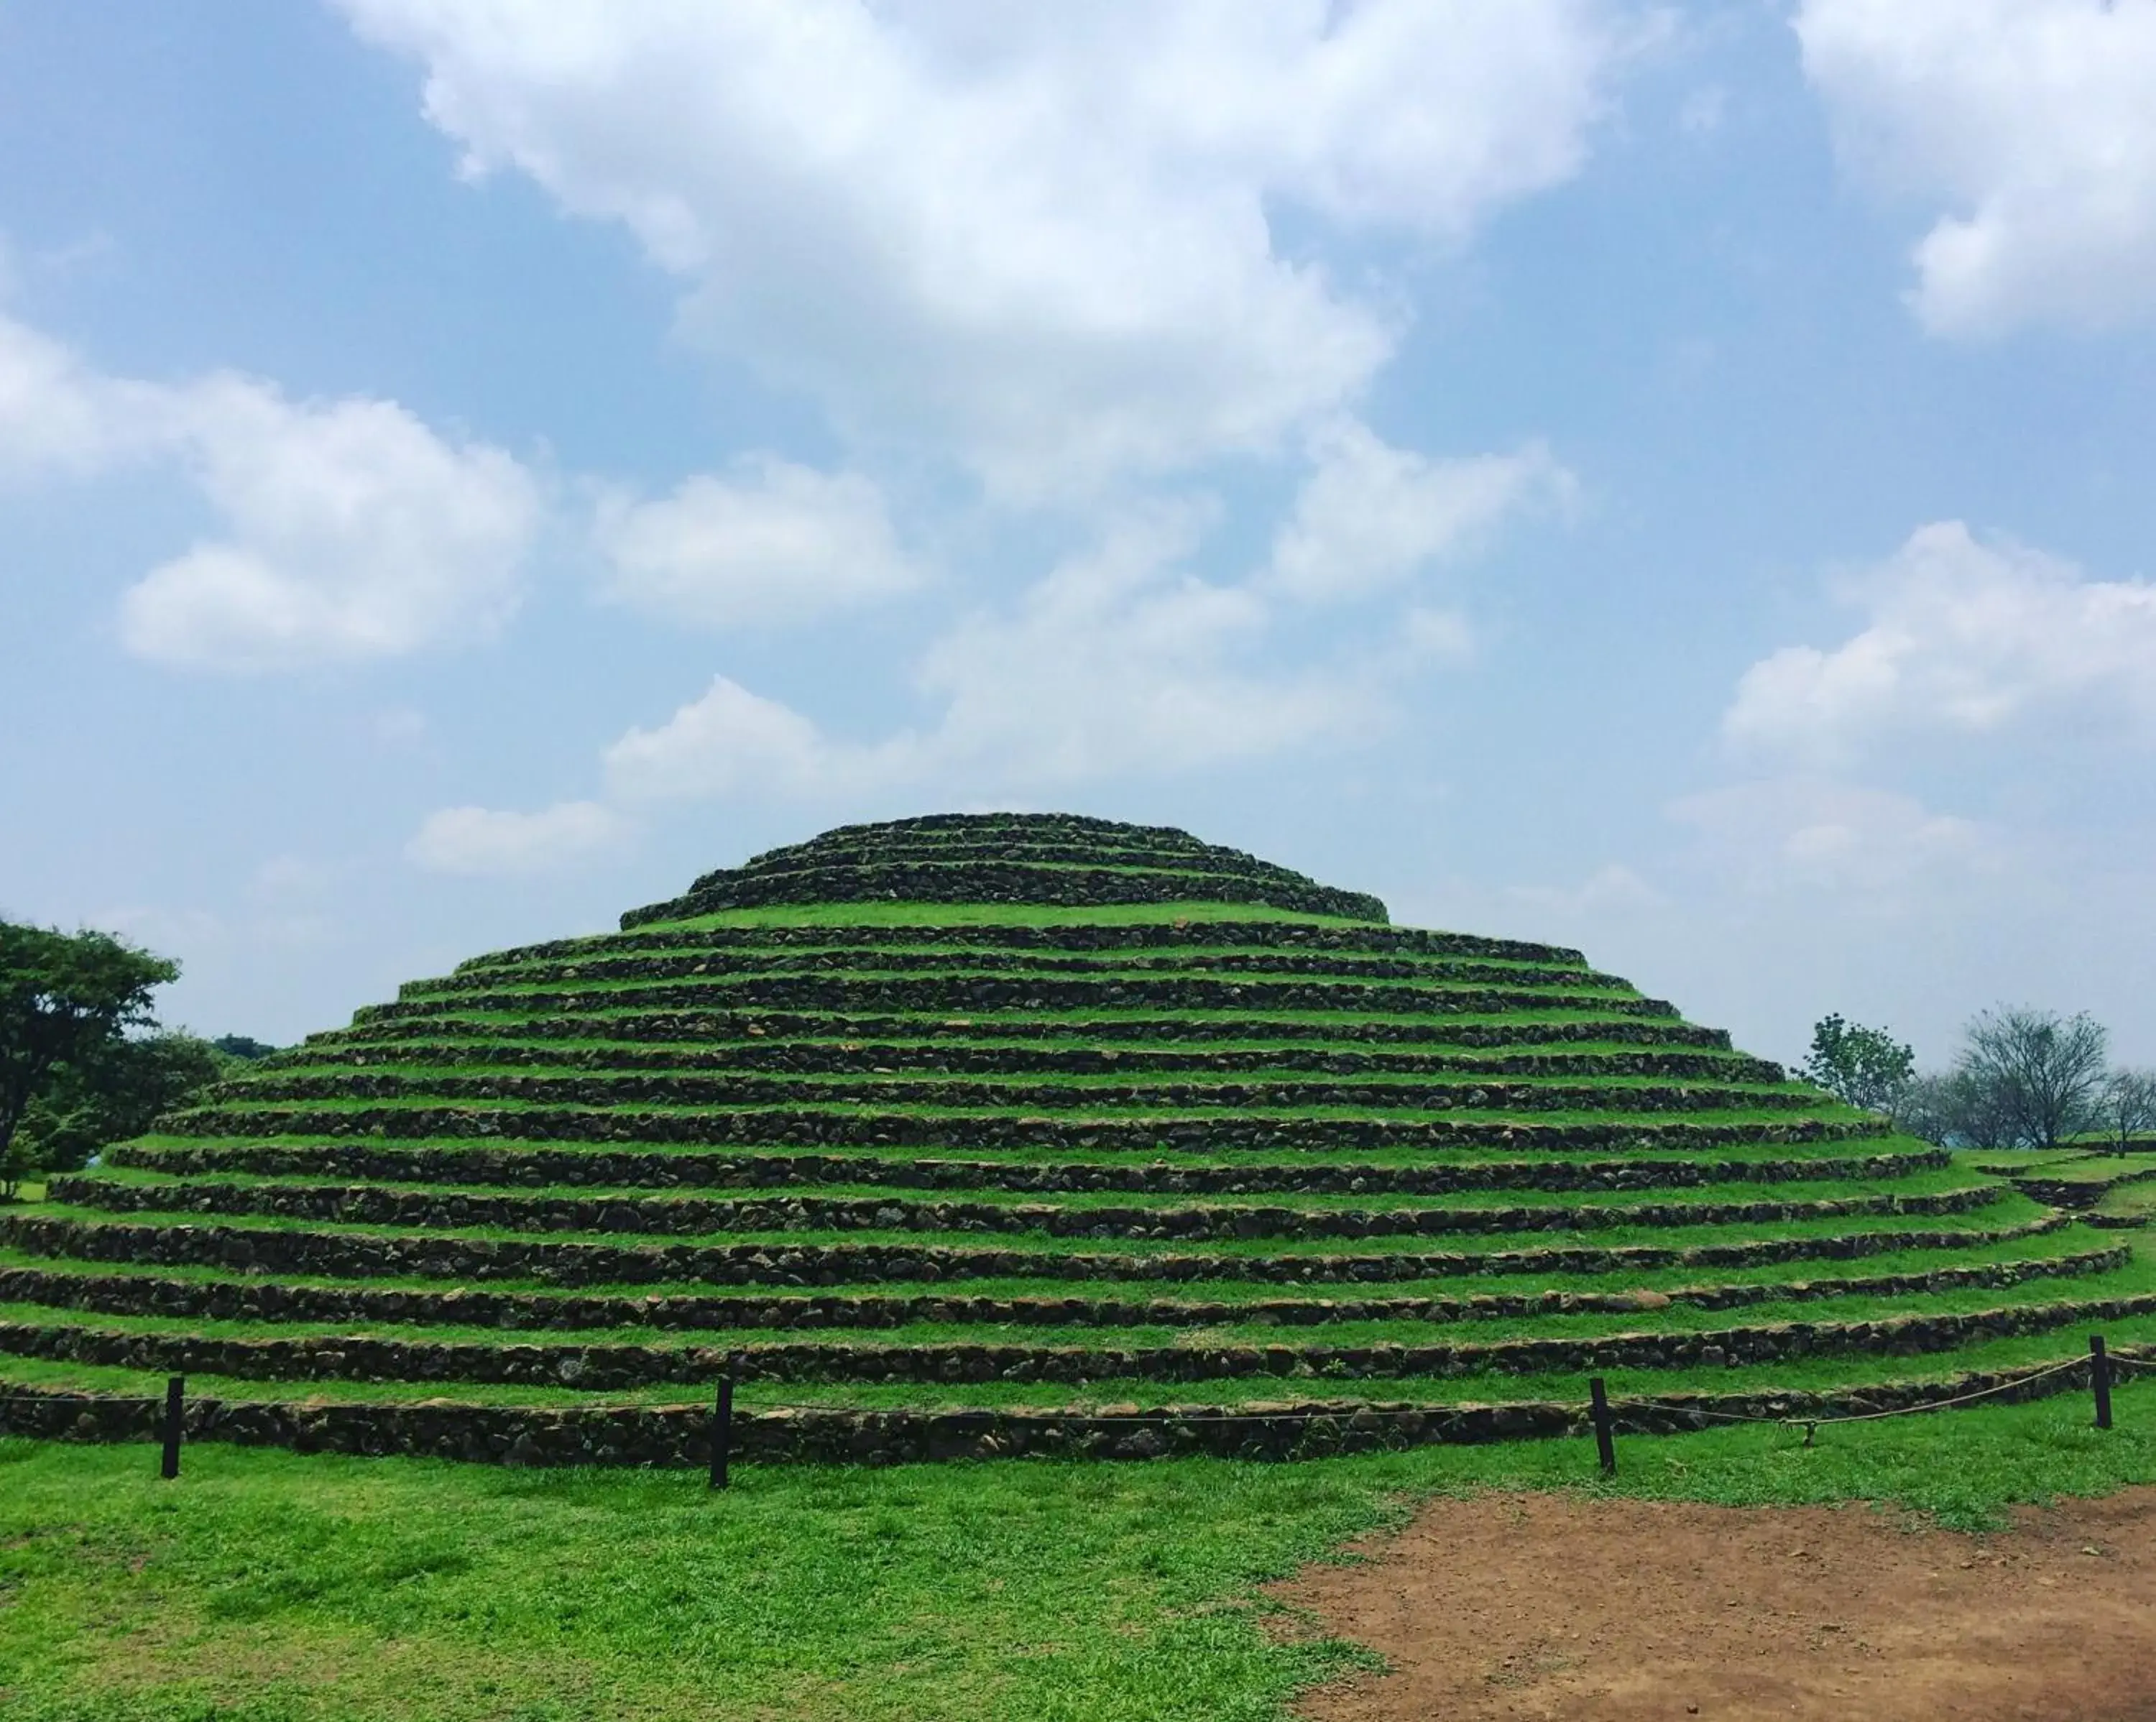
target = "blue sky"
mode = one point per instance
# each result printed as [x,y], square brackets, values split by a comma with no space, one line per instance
[1670,479]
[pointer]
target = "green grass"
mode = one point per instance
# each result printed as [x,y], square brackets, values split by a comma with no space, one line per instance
[417,1071]
[232,1112]
[1031,957]
[2008,1209]
[2010,1163]
[1920,1182]
[852,965]
[1984,1250]
[966,914]
[1237,1025]
[1250,1162]
[266,1587]
[2035,1300]
[349,1051]
[1783,1376]
[2099,1169]
[2129,1201]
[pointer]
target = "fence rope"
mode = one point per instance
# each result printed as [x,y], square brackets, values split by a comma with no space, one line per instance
[1929,1404]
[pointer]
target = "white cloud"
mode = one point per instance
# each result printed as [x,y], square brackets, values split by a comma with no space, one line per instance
[1039,236]
[1371,515]
[355,532]
[2033,121]
[1117,662]
[484,842]
[1612,891]
[1429,635]
[1815,832]
[729,741]
[1961,637]
[347,529]
[772,542]
[57,416]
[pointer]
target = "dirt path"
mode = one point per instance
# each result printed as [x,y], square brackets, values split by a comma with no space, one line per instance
[1543,1608]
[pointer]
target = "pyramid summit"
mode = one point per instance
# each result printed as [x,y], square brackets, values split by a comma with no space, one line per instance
[1022,1133]
[1051,858]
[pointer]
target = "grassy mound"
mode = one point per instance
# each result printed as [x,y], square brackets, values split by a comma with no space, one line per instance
[1021,1134]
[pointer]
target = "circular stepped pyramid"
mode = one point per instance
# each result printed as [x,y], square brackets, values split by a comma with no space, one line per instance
[969,1135]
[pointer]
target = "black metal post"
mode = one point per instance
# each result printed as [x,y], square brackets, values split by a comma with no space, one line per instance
[1606,1430]
[175,1393]
[2100,1380]
[722,1428]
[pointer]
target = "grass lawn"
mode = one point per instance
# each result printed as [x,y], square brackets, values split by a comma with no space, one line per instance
[268,1587]
[965,914]
[2129,1200]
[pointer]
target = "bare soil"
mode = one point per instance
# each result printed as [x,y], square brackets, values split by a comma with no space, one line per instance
[1564,1609]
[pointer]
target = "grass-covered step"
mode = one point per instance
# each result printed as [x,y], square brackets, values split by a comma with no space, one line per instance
[1067,934]
[1346,1130]
[238,1349]
[1436,1093]
[957,991]
[991,839]
[2076,1179]
[850,1057]
[894,850]
[1081,1216]
[1077,1216]
[1430,1347]
[351,1251]
[1210,1031]
[1011,1105]
[985,863]
[1991,1242]
[526,1426]
[145,1293]
[1005,882]
[1774,1389]
[1891,1158]
[591,970]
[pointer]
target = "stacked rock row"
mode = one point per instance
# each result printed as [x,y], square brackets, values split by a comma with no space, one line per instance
[1014,858]
[1109,1159]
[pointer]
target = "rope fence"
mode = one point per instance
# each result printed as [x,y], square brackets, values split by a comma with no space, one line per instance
[2105,1370]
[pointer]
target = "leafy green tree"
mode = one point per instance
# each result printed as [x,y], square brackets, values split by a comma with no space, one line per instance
[111,1093]
[1863,1067]
[65,998]
[245,1047]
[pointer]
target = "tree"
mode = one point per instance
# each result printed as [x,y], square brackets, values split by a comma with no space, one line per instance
[1933,1107]
[2037,1077]
[242,1047]
[1953,1109]
[2128,1104]
[65,998]
[1863,1067]
[110,1093]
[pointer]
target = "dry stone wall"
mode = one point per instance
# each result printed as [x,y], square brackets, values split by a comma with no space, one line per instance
[1022,1107]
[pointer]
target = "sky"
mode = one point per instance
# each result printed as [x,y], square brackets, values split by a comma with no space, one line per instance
[1673,480]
